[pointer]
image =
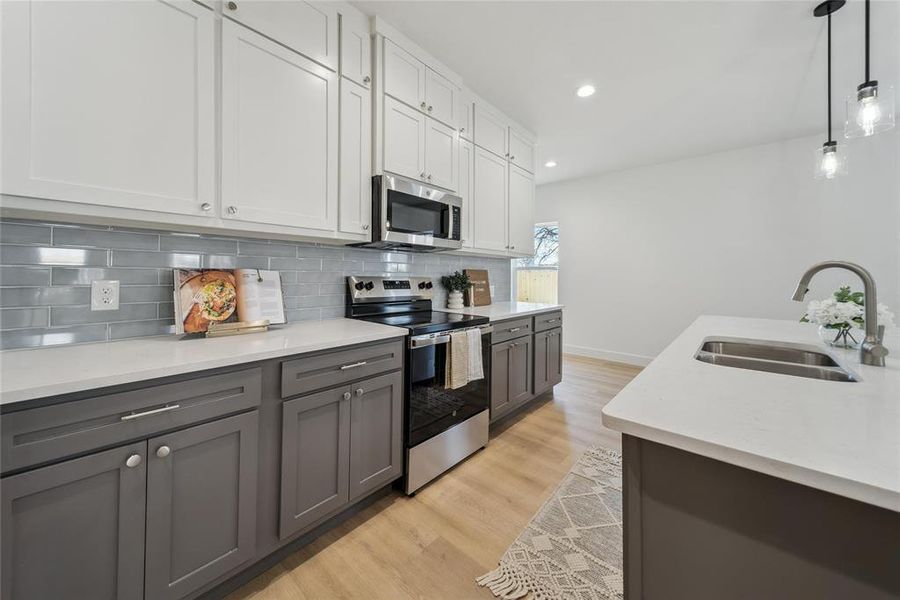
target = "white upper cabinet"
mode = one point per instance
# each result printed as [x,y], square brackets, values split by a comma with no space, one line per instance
[491,131]
[489,201]
[521,150]
[441,98]
[310,28]
[110,103]
[521,211]
[279,134]
[464,190]
[441,155]
[356,48]
[356,159]
[404,140]
[465,122]
[404,76]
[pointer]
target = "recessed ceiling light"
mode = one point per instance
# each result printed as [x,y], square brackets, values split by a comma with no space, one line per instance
[550,163]
[585,91]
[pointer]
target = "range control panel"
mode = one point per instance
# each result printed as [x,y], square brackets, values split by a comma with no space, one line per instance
[367,288]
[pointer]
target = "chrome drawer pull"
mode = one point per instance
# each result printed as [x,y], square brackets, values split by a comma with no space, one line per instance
[514,329]
[147,413]
[553,321]
[353,366]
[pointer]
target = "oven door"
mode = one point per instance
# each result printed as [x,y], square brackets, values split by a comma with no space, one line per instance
[432,408]
[419,215]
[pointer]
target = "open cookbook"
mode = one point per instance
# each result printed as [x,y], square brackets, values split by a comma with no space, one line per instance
[207,296]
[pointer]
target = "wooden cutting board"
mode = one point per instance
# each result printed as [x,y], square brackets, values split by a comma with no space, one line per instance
[479,293]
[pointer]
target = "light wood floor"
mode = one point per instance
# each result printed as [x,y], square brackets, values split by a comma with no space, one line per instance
[433,545]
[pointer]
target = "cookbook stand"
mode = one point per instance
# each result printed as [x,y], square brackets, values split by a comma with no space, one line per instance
[237,328]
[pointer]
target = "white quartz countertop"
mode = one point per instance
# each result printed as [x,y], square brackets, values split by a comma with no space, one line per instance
[504,310]
[42,372]
[839,437]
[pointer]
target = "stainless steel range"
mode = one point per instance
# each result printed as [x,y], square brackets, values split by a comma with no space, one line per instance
[441,426]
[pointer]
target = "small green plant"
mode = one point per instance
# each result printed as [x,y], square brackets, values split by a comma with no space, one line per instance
[457,282]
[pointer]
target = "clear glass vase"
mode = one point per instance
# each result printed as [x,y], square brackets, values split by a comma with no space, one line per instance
[844,337]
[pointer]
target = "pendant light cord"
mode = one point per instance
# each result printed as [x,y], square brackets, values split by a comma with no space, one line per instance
[867,41]
[829,75]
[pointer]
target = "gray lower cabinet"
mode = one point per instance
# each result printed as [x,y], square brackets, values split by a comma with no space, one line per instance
[547,359]
[201,504]
[315,459]
[76,529]
[376,437]
[336,446]
[511,374]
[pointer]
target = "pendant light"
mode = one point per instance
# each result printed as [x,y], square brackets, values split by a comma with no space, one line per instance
[871,109]
[830,159]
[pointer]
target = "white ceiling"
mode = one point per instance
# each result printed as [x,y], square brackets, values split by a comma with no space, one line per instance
[673,79]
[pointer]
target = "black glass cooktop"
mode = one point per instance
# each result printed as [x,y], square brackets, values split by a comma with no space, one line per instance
[428,322]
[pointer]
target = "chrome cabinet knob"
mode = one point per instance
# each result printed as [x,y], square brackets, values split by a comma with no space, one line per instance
[346,395]
[423,106]
[423,175]
[507,155]
[232,210]
[512,157]
[359,391]
[367,79]
[429,177]
[512,247]
[163,451]
[430,108]
[206,207]
[232,5]
[133,461]
[365,227]
[462,129]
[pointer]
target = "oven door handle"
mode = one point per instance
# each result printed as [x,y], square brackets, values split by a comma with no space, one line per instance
[422,341]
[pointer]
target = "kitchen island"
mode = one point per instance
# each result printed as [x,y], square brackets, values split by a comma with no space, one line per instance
[776,485]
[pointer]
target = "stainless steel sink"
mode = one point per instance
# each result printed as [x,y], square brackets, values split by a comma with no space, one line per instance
[772,357]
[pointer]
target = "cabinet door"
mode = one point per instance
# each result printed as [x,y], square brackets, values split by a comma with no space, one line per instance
[376,436]
[464,190]
[441,155]
[442,98]
[404,76]
[76,529]
[356,47]
[500,404]
[520,364]
[279,134]
[521,211]
[541,364]
[521,150]
[201,504]
[466,118]
[491,131]
[404,140]
[356,158]
[554,360]
[310,28]
[489,201]
[315,459]
[109,103]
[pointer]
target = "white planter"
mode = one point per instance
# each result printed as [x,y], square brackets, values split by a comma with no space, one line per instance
[455,300]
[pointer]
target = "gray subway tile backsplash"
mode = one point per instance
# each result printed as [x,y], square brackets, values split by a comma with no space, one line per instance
[47,270]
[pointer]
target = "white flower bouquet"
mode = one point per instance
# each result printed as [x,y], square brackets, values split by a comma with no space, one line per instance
[843,314]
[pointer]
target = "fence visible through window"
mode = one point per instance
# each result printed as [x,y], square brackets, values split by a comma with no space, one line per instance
[537,276]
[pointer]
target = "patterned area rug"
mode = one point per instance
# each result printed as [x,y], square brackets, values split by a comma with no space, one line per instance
[572,548]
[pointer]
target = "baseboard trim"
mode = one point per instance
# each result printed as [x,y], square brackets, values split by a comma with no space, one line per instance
[611,355]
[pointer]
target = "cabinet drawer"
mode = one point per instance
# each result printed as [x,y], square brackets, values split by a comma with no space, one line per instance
[306,375]
[508,330]
[547,321]
[44,434]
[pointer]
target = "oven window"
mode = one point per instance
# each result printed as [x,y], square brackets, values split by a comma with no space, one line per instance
[434,409]
[412,214]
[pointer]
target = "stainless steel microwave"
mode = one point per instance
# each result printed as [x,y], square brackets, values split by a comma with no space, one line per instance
[409,215]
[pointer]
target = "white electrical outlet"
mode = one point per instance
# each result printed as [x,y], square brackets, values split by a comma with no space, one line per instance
[104,294]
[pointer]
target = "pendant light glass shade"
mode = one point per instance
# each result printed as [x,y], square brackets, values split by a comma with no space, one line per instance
[870,110]
[831,161]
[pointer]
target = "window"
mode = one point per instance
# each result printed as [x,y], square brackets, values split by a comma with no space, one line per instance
[537,275]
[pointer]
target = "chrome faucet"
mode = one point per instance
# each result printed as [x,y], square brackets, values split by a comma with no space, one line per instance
[872,351]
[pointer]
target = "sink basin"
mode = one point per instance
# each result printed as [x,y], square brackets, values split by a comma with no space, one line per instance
[772,357]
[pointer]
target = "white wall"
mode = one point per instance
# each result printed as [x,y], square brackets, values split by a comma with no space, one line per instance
[643,252]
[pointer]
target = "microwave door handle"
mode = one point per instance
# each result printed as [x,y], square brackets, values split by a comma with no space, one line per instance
[448,220]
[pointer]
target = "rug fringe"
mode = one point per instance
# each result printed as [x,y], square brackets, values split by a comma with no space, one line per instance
[503,583]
